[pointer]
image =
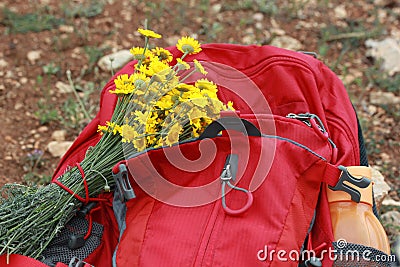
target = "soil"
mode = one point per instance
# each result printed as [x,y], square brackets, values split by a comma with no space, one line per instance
[89,29]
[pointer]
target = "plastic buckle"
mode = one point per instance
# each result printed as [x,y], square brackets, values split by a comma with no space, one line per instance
[75,262]
[345,176]
[123,185]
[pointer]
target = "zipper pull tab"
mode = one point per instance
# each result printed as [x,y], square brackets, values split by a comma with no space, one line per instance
[229,174]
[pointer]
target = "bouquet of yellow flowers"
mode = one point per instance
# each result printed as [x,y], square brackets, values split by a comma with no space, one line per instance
[155,108]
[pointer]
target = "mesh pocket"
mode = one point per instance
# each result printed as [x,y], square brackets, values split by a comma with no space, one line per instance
[59,251]
[355,255]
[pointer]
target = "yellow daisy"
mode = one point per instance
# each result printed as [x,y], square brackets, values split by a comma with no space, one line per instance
[123,85]
[101,129]
[173,134]
[182,65]
[141,117]
[204,84]
[157,66]
[188,45]
[149,33]
[140,54]
[199,67]
[139,143]
[163,54]
[128,133]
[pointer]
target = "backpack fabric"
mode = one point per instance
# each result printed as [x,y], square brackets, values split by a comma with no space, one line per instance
[284,171]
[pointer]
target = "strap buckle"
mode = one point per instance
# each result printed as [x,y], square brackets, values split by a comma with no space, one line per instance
[124,187]
[345,176]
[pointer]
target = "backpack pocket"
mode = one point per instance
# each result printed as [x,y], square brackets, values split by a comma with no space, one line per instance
[181,213]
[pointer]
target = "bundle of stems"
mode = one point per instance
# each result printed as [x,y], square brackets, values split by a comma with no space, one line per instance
[155,108]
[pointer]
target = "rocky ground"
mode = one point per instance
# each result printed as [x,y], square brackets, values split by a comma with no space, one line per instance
[43,40]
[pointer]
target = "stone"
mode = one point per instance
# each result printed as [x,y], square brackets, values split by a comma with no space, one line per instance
[43,129]
[18,106]
[340,12]
[216,8]
[387,50]
[258,17]
[381,188]
[3,63]
[59,135]
[115,60]
[66,28]
[287,42]
[388,201]
[58,148]
[33,56]
[383,98]
[64,88]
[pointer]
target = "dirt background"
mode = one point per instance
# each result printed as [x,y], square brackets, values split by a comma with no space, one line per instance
[42,39]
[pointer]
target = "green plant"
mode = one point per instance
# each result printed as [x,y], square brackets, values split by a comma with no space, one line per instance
[85,9]
[31,22]
[33,162]
[51,69]
[46,112]
[382,80]
[263,6]
[211,30]
[351,38]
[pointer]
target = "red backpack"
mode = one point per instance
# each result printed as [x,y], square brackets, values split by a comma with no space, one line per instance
[253,196]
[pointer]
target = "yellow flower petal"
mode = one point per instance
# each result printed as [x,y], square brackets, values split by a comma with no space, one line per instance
[199,67]
[182,65]
[188,45]
[128,133]
[149,33]
[163,54]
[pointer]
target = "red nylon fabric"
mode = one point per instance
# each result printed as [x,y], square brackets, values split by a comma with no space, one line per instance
[206,236]
[291,82]
[15,260]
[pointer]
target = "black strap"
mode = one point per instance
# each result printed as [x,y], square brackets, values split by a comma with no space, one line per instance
[230,123]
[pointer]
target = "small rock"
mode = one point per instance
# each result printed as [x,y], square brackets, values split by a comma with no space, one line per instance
[9,139]
[383,98]
[18,106]
[258,16]
[24,80]
[381,188]
[66,28]
[33,56]
[248,39]
[63,87]
[59,135]
[3,63]
[340,12]
[258,25]
[287,42]
[43,129]
[8,158]
[390,202]
[58,148]
[115,61]
[216,8]
[388,50]
[384,2]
